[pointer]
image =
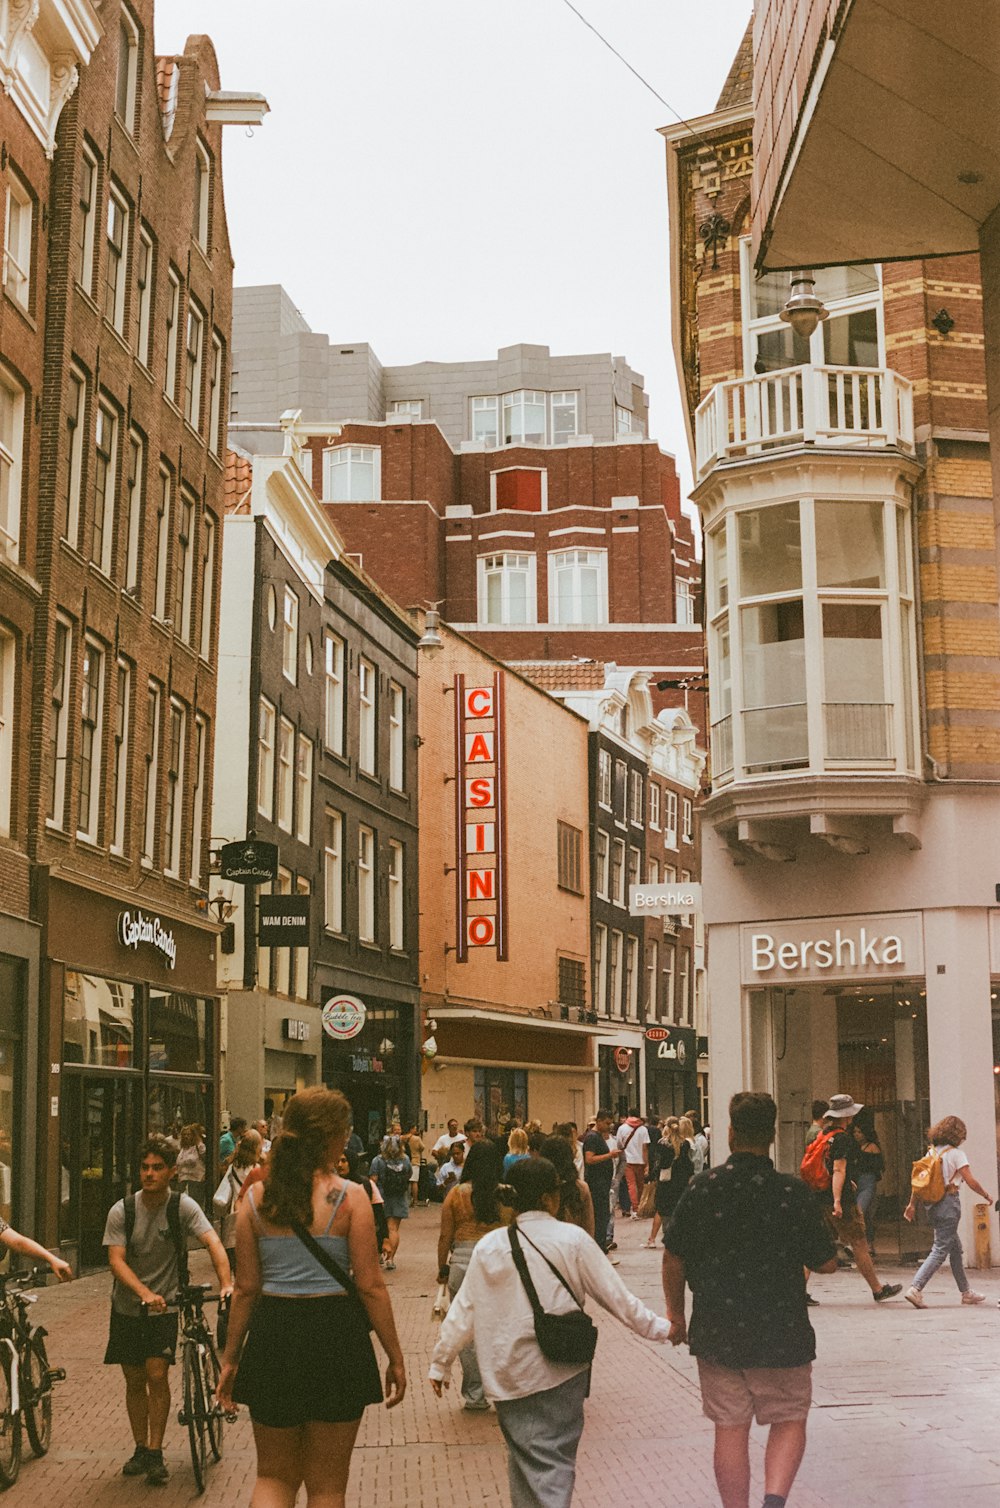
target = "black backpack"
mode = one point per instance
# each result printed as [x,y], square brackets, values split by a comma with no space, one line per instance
[395,1181]
[173,1225]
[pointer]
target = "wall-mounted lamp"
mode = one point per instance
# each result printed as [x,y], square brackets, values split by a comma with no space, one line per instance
[430,639]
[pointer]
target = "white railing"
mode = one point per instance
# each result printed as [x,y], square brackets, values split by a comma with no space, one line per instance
[865,406]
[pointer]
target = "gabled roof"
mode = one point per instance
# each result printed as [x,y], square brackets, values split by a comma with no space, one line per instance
[738,88]
[561,675]
[238,482]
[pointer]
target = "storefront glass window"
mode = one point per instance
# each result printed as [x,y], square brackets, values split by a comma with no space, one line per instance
[171,1106]
[500,1097]
[178,1033]
[11,1017]
[99,1021]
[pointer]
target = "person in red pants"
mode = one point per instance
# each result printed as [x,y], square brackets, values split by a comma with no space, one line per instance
[633,1142]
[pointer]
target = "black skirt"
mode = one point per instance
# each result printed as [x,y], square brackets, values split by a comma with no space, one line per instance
[307,1360]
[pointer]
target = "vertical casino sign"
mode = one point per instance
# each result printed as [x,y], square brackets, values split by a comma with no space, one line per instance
[480,817]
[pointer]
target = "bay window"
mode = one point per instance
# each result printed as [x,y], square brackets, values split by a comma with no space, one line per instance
[578,586]
[524,418]
[852,335]
[352,474]
[507,589]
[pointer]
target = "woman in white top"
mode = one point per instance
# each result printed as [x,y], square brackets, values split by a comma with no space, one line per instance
[539,1402]
[946,1140]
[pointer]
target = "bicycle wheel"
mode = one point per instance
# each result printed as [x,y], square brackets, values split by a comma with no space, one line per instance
[10,1426]
[210,1381]
[194,1413]
[36,1395]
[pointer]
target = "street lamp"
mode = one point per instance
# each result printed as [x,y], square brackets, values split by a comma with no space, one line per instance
[431,639]
[804,310]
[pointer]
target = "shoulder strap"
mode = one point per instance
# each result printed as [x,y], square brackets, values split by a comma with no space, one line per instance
[625,1144]
[177,1236]
[515,1233]
[328,1263]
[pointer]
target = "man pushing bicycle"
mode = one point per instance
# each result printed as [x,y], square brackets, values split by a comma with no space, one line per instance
[146,1236]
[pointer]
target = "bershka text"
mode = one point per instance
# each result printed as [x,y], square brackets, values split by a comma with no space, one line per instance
[842,950]
[135,928]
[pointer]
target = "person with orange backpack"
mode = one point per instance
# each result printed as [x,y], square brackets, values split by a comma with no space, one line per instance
[934,1184]
[829,1167]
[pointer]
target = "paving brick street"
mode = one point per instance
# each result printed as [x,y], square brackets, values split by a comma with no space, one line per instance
[905,1410]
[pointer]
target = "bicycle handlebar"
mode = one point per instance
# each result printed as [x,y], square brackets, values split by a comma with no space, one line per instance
[188,1298]
[35,1277]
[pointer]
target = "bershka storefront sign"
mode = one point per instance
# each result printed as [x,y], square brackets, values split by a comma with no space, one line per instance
[136,930]
[844,947]
[480,818]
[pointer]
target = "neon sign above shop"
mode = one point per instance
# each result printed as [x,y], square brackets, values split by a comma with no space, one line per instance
[480,818]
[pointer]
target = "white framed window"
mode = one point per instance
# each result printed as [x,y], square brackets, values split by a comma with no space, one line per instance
[134,487]
[634,873]
[333,703]
[683,602]
[367,744]
[91,724]
[507,588]
[303,788]
[184,565]
[194,348]
[624,420]
[653,872]
[333,870]
[215,395]
[602,864]
[600,969]
[632,977]
[151,774]
[265,759]
[852,335]
[636,804]
[173,816]
[116,260]
[59,721]
[162,544]
[604,778]
[524,418]
[654,805]
[615,973]
[300,956]
[484,421]
[264,954]
[668,981]
[683,1006]
[281,958]
[128,66]
[286,764]
[366,885]
[207,584]
[8,662]
[102,537]
[198,804]
[120,754]
[396,857]
[670,819]
[202,194]
[290,636]
[618,871]
[17,241]
[86,224]
[75,422]
[621,793]
[11,464]
[652,979]
[564,416]
[397,737]
[412,406]
[173,313]
[687,819]
[143,293]
[578,586]
[352,474]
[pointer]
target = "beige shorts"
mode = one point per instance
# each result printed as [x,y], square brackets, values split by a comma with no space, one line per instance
[848,1228]
[771,1395]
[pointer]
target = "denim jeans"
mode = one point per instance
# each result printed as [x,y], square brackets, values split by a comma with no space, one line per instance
[867,1184]
[944,1217]
[472,1382]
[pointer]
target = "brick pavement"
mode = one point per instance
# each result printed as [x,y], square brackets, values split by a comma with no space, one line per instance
[904,1417]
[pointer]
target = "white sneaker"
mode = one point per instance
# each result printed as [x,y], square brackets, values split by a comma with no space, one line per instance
[915,1297]
[633,1215]
[615,1261]
[973,1298]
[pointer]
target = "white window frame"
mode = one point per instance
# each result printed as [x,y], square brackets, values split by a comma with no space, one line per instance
[624,421]
[637,811]
[397,737]
[286,773]
[670,818]
[615,963]
[669,973]
[105,486]
[576,561]
[683,602]
[366,885]
[8,670]
[505,563]
[334,653]
[333,870]
[143,295]
[518,402]
[173,825]
[208,538]
[303,788]
[173,312]
[59,716]
[602,864]
[84,258]
[198,803]
[343,479]
[125,81]
[396,912]
[184,542]
[412,406]
[76,436]
[633,869]
[599,969]
[756,326]
[163,511]
[17,239]
[299,957]
[654,804]
[290,636]
[632,977]
[687,820]
[154,717]
[618,862]
[281,958]
[604,779]
[563,435]
[194,360]
[266,726]
[201,220]
[488,404]
[683,1005]
[116,258]
[652,979]
[135,478]
[215,398]
[11,464]
[90,760]
[120,754]
[367,717]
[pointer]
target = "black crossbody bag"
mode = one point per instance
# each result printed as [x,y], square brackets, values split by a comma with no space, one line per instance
[570,1339]
[332,1266]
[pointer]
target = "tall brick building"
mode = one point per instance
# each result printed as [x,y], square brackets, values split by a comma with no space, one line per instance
[122,273]
[845,486]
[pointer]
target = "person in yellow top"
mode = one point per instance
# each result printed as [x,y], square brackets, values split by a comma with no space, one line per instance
[470,1210]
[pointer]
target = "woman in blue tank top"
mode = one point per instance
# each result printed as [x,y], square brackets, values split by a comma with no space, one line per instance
[308,1370]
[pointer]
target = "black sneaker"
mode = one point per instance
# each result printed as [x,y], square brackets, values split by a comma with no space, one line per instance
[887,1291]
[157,1474]
[811,1301]
[137,1464]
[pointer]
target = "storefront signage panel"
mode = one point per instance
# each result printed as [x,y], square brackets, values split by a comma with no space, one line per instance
[480,818]
[136,929]
[343,1017]
[283,921]
[664,900]
[248,863]
[837,947]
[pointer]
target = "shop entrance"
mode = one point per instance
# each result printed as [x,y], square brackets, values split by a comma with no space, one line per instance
[868,1040]
[100,1131]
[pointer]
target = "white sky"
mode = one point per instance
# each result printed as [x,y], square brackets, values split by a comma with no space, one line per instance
[443,177]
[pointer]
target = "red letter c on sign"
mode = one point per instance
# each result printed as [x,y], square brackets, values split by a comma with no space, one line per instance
[479,702]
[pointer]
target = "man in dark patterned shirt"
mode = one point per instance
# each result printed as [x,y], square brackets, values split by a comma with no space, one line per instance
[741,1237]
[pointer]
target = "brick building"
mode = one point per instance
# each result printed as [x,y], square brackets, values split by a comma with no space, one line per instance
[845,486]
[122,271]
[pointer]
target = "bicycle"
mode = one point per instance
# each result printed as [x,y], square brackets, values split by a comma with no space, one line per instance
[26,1379]
[200,1367]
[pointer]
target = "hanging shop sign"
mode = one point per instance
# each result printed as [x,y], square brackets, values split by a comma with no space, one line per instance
[343,1017]
[249,862]
[656,1034]
[841,947]
[623,1059]
[283,921]
[664,899]
[136,930]
[480,818]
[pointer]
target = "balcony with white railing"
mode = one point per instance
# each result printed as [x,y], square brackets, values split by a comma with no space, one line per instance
[854,407]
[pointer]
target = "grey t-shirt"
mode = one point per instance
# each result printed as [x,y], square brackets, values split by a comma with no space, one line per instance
[151,1256]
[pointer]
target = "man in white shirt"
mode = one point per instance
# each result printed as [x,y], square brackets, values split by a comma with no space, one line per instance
[633,1142]
[442,1147]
